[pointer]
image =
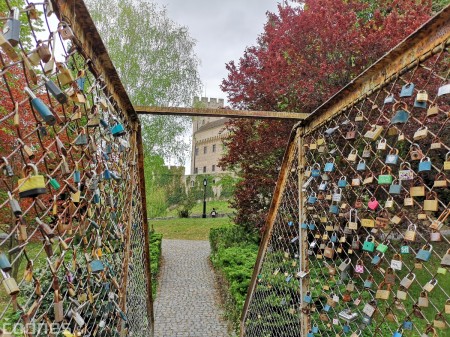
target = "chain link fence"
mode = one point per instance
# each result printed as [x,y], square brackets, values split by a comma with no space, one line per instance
[358,240]
[74,252]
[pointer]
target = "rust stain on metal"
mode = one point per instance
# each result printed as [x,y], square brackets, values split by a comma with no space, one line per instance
[143,110]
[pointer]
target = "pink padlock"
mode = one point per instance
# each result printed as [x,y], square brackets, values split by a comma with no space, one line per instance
[373,203]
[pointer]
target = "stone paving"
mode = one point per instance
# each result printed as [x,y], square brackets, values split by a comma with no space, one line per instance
[187,301]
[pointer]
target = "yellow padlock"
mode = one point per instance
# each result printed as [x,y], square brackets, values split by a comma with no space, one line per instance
[447,162]
[422,96]
[30,187]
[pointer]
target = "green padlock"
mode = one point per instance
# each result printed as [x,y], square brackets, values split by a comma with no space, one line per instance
[53,182]
[385,178]
[369,244]
[383,247]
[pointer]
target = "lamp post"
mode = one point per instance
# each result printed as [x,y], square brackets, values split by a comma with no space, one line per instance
[205,182]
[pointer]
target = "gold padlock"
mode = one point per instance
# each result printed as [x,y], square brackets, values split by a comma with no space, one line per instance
[431,202]
[410,234]
[445,262]
[374,132]
[422,96]
[447,306]
[30,187]
[439,322]
[64,74]
[447,162]
[9,284]
[421,133]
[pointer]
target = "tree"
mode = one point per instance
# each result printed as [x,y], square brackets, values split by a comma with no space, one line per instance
[157,64]
[305,55]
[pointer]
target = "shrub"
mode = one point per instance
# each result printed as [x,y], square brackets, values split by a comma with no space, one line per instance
[155,259]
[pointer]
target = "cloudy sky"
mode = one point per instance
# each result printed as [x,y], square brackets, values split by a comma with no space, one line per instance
[222,29]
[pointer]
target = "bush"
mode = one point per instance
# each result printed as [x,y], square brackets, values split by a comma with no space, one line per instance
[233,255]
[155,259]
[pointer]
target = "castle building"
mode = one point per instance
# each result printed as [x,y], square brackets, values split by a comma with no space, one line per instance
[207,138]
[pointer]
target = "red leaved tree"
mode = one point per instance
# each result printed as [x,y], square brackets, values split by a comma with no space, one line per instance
[305,55]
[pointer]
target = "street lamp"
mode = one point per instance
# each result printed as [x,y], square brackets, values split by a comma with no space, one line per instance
[205,182]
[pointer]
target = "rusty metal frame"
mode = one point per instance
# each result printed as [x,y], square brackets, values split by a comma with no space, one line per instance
[427,40]
[147,110]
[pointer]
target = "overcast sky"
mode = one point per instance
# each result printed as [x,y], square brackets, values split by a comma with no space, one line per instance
[222,28]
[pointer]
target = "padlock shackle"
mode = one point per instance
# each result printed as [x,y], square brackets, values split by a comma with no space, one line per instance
[30,93]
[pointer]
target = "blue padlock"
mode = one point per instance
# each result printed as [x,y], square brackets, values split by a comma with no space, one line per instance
[424,254]
[118,130]
[96,198]
[329,167]
[315,172]
[395,188]
[425,164]
[105,155]
[407,325]
[81,82]
[361,165]
[420,105]
[104,123]
[334,209]
[312,198]
[346,328]
[401,115]
[76,176]
[392,157]
[389,99]
[304,225]
[397,334]
[342,182]
[368,283]
[377,259]
[310,334]
[312,226]
[107,174]
[290,223]
[407,90]
[315,328]
[327,307]
[307,298]
[334,237]
[40,107]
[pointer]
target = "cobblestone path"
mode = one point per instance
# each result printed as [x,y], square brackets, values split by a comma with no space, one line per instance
[187,301]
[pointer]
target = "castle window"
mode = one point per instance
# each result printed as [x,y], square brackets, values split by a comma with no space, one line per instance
[213,168]
[192,183]
[205,149]
[196,151]
[196,170]
[204,169]
[214,148]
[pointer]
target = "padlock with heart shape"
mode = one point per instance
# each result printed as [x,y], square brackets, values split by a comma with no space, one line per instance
[373,204]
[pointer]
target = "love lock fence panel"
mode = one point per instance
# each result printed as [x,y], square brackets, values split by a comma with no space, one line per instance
[74,255]
[358,237]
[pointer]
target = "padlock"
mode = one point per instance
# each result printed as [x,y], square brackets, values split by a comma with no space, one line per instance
[11,30]
[118,130]
[8,49]
[405,172]
[43,51]
[435,236]
[40,107]
[65,31]
[369,223]
[392,157]
[96,266]
[56,92]
[64,74]
[307,298]
[423,300]
[369,309]
[401,115]
[408,201]
[369,244]
[374,132]
[30,187]
[329,250]
[422,96]
[356,243]
[368,283]
[431,203]
[382,144]
[81,139]
[440,181]
[447,162]
[407,281]
[418,188]
[376,260]
[395,188]
[407,90]
[421,133]
[410,234]
[373,204]
[415,152]
[337,195]
[383,247]
[401,293]
[407,323]
[345,264]
[429,286]
[77,317]
[7,169]
[397,262]
[58,307]
[389,99]
[14,204]
[445,262]
[351,133]
[421,105]
[439,321]
[398,333]
[447,306]
[9,284]
[342,182]
[312,198]
[425,164]
[385,177]
[367,151]
[356,181]
[352,155]
[361,165]
[433,110]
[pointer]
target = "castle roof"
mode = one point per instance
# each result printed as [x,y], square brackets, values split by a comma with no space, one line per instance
[212,125]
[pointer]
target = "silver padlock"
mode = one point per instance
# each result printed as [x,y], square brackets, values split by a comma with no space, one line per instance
[7,169]
[14,204]
[65,31]
[11,31]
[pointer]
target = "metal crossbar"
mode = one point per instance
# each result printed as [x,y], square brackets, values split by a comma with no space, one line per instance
[74,252]
[357,241]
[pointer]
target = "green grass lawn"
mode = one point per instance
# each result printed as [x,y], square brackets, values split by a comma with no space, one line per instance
[188,229]
[221,206]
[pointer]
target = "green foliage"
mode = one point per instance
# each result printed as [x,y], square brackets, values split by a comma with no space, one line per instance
[157,64]
[233,254]
[155,259]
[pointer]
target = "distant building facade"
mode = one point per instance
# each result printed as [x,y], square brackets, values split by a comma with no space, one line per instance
[207,138]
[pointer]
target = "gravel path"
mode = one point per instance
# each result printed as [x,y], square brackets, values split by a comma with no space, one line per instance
[187,301]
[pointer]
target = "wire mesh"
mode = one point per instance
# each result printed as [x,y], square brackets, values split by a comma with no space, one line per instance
[374,209]
[72,245]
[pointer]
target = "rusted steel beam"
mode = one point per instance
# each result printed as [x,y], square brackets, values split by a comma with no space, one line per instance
[148,110]
[90,44]
[429,39]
